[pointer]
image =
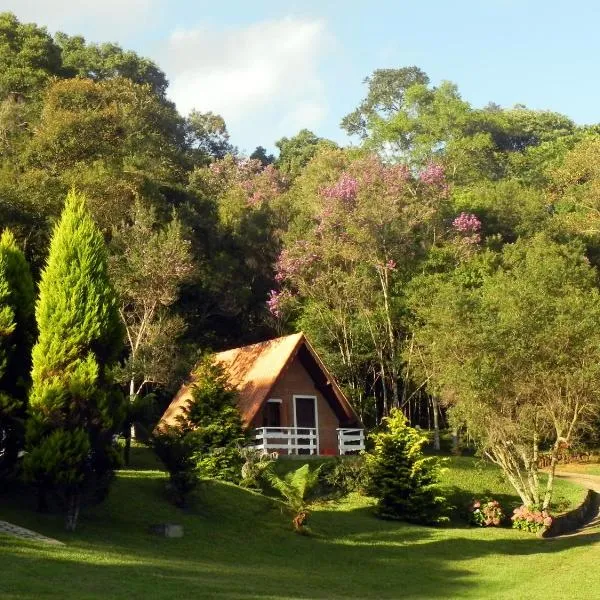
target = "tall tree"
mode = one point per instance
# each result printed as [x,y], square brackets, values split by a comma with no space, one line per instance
[17,329]
[512,345]
[74,408]
[149,263]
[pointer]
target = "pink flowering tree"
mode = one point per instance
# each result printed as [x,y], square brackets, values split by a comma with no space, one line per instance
[372,223]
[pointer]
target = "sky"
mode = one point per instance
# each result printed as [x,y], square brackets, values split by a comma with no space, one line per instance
[271,69]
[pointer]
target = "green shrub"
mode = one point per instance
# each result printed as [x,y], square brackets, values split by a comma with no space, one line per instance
[215,418]
[343,476]
[175,447]
[401,478]
[256,462]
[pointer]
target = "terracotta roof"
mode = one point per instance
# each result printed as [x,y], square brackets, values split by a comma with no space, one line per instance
[253,371]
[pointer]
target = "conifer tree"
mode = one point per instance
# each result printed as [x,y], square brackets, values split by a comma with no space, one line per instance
[401,478]
[74,406]
[17,328]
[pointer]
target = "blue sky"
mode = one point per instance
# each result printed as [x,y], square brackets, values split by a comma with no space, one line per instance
[272,69]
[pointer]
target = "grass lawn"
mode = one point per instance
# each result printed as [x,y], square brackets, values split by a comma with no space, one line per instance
[238,544]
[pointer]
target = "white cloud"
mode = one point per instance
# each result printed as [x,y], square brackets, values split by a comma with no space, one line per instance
[262,78]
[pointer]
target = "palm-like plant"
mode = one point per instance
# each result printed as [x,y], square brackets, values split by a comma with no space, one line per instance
[294,488]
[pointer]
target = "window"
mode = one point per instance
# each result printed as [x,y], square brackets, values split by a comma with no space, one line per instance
[272,414]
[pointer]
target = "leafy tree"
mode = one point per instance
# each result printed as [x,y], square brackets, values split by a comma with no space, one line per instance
[74,408]
[148,265]
[207,137]
[107,61]
[511,342]
[385,97]
[296,152]
[28,57]
[261,155]
[371,227]
[401,478]
[17,329]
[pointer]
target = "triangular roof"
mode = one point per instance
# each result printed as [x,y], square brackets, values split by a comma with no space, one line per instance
[254,370]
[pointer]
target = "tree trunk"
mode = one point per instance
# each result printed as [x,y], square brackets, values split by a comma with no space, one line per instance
[550,484]
[73,504]
[455,449]
[436,424]
[129,430]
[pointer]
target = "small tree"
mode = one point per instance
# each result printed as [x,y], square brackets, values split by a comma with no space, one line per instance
[215,418]
[401,478]
[17,327]
[207,438]
[74,409]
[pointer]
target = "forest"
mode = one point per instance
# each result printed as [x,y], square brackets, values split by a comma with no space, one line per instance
[445,263]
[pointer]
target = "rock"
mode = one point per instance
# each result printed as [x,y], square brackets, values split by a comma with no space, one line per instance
[170,530]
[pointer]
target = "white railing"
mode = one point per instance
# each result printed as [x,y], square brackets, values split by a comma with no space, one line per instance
[292,439]
[351,440]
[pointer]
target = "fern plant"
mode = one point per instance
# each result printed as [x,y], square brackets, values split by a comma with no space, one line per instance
[295,488]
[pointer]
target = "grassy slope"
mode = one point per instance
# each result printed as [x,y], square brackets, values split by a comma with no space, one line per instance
[238,545]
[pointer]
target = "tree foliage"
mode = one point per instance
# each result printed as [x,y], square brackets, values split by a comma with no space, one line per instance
[17,330]
[74,408]
[512,345]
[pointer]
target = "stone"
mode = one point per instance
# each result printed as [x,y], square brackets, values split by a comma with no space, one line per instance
[170,530]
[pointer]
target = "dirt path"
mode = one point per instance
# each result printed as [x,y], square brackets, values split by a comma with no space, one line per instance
[590,482]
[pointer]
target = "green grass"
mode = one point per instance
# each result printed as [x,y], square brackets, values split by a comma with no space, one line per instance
[238,544]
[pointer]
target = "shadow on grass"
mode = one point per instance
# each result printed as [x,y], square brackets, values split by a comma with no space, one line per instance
[239,544]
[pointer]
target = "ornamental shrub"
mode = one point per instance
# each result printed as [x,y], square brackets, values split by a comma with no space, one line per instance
[401,478]
[486,513]
[531,519]
[256,463]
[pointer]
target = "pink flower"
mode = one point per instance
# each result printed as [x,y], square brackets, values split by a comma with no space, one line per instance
[466,223]
[433,174]
[345,189]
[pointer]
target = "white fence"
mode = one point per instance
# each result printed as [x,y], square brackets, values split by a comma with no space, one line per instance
[351,440]
[305,440]
[292,439]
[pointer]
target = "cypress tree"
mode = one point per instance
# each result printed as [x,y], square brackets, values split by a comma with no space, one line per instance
[17,327]
[74,406]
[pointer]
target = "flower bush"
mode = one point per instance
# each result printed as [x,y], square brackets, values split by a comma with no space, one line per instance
[530,519]
[486,513]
